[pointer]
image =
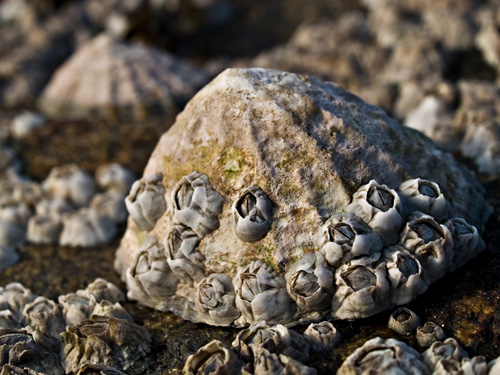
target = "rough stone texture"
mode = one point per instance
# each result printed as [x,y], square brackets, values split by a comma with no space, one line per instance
[308,145]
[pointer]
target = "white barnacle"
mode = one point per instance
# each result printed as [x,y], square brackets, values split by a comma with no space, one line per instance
[261,294]
[215,298]
[494,366]
[196,204]
[55,207]
[269,363]
[405,273]
[44,229]
[17,214]
[11,235]
[404,321]
[429,333]
[469,366]
[362,288]
[252,214]
[345,236]
[310,283]
[381,208]
[8,257]
[424,196]
[448,349]
[322,336]
[114,177]
[27,192]
[213,358]
[45,317]
[76,307]
[110,309]
[15,297]
[430,242]
[467,241]
[110,205]
[101,289]
[8,320]
[86,228]
[145,202]
[149,278]
[71,183]
[183,256]
[380,357]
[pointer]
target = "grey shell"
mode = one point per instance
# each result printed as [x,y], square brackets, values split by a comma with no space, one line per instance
[44,229]
[214,358]
[467,242]
[114,177]
[86,228]
[429,333]
[404,321]
[424,196]
[322,336]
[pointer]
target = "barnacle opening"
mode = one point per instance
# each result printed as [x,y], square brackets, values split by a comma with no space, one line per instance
[211,363]
[174,242]
[305,284]
[250,286]
[427,189]
[359,278]
[341,234]
[322,329]
[402,316]
[427,230]
[374,358]
[380,198]
[461,228]
[406,265]
[207,295]
[183,195]
[246,204]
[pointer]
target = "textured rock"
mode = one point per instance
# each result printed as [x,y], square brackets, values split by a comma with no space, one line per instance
[309,146]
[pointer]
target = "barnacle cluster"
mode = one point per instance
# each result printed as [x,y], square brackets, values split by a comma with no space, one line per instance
[383,250]
[85,329]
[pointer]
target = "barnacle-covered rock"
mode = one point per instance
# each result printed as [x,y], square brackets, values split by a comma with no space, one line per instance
[252,214]
[145,202]
[381,208]
[44,229]
[45,317]
[404,321]
[197,204]
[8,257]
[429,333]
[310,283]
[215,297]
[15,297]
[378,357]
[71,183]
[345,236]
[110,205]
[106,341]
[448,349]
[467,242]
[362,288]
[86,228]
[424,196]
[261,294]
[114,177]
[322,336]
[214,358]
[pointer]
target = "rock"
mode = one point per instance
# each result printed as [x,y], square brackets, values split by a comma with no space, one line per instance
[308,145]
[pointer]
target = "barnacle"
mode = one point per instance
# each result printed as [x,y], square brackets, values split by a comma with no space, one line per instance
[196,204]
[310,283]
[27,192]
[345,236]
[467,242]
[110,205]
[55,207]
[15,297]
[424,196]
[114,177]
[322,336]
[261,294]
[110,309]
[145,202]
[429,333]
[214,358]
[86,228]
[8,320]
[448,349]
[17,214]
[252,214]
[269,363]
[472,366]
[44,229]
[404,321]
[76,307]
[45,316]
[381,208]
[101,289]
[183,257]
[215,297]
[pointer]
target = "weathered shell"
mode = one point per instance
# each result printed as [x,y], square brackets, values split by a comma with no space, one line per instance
[261,294]
[8,320]
[92,369]
[101,289]
[472,366]
[269,363]
[86,228]
[214,358]
[110,205]
[114,177]
[429,333]
[17,214]
[45,317]
[379,357]
[8,257]
[362,288]
[467,242]
[322,336]
[448,349]
[196,204]
[15,297]
[310,283]
[27,192]
[404,321]
[76,307]
[56,207]
[345,236]
[146,203]
[11,235]
[381,208]
[215,297]
[44,229]
[110,309]
[424,196]
[252,214]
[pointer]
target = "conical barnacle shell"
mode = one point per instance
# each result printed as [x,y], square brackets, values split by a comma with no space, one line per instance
[8,257]
[110,309]
[17,214]
[86,228]
[183,256]
[150,279]
[145,202]
[404,321]
[92,369]
[345,236]
[196,204]
[114,177]
[448,349]
[55,207]
[494,366]
[405,273]
[44,229]
[424,196]
[215,299]
[106,75]
[252,214]
[379,357]
[269,363]
[467,241]
[15,297]
[322,336]
[11,235]
[110,205]
[45,317]
[101,289]
[429,333]
[214,358]
[381,208]
[8,320]
[362,288]
[76,307]
[430,242]
[261,294]
[467,366]
[310,283]
[27,192]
